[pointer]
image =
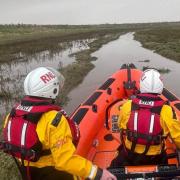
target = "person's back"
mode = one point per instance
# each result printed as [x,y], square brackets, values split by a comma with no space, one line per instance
[144,124]
[41,135]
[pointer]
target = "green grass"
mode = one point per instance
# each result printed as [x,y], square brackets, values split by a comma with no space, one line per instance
[165,41]
[10,34]
[30,39]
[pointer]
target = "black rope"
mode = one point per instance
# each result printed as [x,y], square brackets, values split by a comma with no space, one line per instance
[19,167]
[107,112]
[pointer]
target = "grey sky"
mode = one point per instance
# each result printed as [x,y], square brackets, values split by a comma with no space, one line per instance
[88,11]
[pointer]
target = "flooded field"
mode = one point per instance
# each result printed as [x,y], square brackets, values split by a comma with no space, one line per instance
[110,58]
[12,74]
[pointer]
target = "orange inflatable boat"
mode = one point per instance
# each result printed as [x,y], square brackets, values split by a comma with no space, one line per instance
[97,118]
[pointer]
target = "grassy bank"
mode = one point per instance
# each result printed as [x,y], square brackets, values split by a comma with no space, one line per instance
[30,39]
[164,41]
[22,33]
[13,34]
[17,42]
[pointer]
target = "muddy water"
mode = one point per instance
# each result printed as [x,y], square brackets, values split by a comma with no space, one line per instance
[12,74]
[110,58]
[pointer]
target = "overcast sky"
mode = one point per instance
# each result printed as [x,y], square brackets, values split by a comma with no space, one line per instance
[88,11]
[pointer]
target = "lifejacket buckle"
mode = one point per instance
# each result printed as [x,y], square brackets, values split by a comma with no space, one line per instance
[135,135]
[33,154]
[7,146]
[149,138]
[129,134]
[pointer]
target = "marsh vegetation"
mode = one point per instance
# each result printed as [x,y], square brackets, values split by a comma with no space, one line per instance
[164,41]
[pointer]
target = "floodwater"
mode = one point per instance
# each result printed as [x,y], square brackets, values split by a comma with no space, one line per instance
[12,74]
[110,58]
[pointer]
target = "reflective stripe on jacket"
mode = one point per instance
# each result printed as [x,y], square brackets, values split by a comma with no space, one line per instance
[169,125]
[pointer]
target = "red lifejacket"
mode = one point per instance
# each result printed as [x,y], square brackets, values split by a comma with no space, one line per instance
[144,126]
[20,136]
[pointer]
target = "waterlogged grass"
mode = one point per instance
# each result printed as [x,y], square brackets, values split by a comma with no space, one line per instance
[10,34]
[164,41]
[30,39]
[5,95]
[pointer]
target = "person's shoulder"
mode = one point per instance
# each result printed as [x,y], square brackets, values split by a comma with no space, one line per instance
[166,107]
[56,117]
[49,116]
[127,104]
[169,111]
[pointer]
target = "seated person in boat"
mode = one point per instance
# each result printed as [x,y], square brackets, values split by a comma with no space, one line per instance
[40,133]
[145,122]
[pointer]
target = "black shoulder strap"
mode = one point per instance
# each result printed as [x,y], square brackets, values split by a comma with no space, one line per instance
[156,110]
[33,117]
[57,119]
[134,106]
[174,113]
[13,112]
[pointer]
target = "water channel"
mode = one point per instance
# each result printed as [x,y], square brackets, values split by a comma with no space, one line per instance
[110,58]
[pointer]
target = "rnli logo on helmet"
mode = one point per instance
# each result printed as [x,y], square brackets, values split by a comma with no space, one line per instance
[47,77]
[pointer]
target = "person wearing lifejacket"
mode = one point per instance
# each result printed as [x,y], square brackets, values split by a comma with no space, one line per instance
[145,122]
[42,137]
